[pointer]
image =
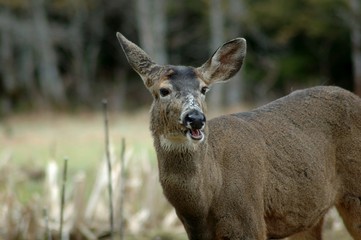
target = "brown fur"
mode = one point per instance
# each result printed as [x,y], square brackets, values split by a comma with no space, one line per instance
[269,173]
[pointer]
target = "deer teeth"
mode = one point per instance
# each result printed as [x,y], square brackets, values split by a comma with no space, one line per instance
[195,134]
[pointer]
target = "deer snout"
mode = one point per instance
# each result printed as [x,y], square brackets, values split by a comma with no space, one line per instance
[194,119]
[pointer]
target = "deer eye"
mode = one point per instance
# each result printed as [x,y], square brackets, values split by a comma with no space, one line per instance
[204,90]
[164,92]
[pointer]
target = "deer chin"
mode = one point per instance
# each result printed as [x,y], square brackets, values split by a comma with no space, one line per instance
[186,140]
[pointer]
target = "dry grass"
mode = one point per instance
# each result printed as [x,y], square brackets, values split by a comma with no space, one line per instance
[32,148]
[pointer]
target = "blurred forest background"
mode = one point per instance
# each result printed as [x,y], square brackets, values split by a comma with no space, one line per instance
[63,54]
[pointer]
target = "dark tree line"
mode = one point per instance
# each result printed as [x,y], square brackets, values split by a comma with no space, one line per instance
[63,54]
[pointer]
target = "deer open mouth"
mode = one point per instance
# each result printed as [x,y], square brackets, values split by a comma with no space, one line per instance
[195,134]
[194,122]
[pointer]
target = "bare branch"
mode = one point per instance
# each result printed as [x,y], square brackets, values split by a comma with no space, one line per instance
[110,190]
[122,190]
[65,170]
[47,230]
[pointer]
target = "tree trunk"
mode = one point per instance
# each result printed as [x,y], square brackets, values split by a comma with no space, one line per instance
[26,70]
[49,78]
[152,28]
[159,23]
[145,26]
[216,20]
[235,88]
[92,51]
[355,27]
[81,79]
[7,61]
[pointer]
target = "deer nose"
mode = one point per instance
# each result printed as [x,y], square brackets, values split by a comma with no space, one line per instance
[195,119]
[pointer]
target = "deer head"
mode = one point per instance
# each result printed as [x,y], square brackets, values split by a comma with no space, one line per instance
[178,109]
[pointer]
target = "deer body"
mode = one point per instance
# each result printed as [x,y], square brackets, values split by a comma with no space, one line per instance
[269,173]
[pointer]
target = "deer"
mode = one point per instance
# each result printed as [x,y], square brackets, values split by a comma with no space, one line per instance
[270,173]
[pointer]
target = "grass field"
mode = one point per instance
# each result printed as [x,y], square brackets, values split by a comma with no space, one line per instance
[35,139]
[29,142]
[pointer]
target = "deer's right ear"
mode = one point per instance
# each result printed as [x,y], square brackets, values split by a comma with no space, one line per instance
[140,61]
[225,62]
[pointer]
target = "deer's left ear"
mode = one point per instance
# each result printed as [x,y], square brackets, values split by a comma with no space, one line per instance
[225,62]
[140,61]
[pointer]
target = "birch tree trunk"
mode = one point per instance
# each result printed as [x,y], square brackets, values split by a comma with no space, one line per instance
[145,26]
[160,26]
[355,27]
[152,28]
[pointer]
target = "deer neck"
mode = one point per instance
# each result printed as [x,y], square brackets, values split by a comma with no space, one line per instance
[186,159]
[185,169]
[188,175]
